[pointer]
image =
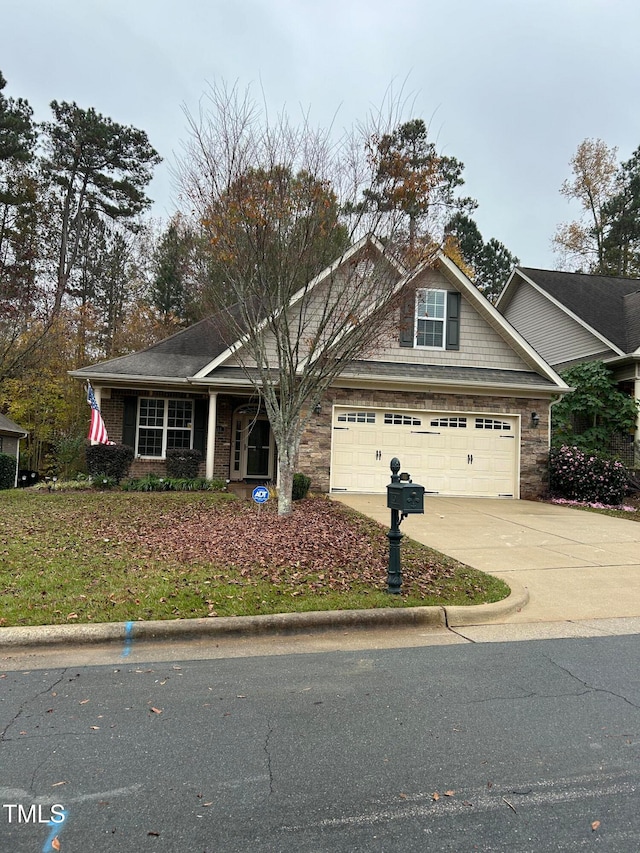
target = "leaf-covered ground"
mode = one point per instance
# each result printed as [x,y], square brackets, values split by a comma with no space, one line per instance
[119,556]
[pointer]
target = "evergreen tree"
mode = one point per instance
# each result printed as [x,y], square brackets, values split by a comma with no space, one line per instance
[487,264]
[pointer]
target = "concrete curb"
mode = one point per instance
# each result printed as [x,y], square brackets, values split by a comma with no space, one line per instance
[274,624]
[480,614]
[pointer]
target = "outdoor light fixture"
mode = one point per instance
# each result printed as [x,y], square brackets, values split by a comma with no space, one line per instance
[535,420]
[317,409]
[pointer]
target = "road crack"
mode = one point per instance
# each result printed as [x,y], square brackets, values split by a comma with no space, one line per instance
[267,752]
[23,706]
[592,687]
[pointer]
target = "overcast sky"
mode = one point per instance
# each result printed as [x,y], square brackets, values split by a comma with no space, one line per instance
[509,87]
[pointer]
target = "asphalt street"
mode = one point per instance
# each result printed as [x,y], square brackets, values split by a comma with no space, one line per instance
[527,746]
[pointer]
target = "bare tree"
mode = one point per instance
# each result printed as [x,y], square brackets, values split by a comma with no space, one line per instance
[302,277]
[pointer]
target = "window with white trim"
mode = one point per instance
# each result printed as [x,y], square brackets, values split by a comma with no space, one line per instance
[430,318]
[164,424]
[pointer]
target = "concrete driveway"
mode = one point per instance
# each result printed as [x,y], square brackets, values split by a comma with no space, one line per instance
[576,565]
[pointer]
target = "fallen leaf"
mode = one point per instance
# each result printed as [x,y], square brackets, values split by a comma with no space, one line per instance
[83,702]
[95,728]
[156,710]
[595,825]
[435,796]
[449,793]
[403,796]
[157,834]
[55,844]
[55,784]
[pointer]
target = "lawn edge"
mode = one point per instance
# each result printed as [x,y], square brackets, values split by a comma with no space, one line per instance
[433,617]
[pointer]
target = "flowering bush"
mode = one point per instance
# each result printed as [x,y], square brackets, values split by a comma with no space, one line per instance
[581,476]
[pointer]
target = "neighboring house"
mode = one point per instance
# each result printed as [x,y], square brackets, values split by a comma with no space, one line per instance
[456,394]
[570,318]
[10,435]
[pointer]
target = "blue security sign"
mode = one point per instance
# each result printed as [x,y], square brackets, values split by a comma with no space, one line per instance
[260,494]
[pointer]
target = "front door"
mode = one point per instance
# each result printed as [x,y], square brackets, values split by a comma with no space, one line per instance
[253,448]
[259,449]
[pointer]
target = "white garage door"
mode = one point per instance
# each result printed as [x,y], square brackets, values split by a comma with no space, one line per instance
[448,453]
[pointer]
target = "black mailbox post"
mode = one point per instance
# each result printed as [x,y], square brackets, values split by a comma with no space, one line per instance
[403,498]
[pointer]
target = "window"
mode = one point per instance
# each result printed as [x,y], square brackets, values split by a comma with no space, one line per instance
[403,420]
[164,425]
[357,418]
[430,316]
[491,423]
[455,423]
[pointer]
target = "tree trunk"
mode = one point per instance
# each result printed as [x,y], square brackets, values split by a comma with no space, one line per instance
[286,470]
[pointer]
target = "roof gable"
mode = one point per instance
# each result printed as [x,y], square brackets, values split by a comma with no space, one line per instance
[604,304]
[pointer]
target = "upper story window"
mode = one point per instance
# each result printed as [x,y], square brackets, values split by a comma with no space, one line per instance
[430,318]
[164,425]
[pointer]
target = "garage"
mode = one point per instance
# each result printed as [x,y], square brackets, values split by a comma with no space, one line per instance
[449,453]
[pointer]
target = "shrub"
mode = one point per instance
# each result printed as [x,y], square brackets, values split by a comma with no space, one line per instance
[153,483]
[109,460]
[301,485]
[581,476]
[183,464]
[7,471]
[102,481]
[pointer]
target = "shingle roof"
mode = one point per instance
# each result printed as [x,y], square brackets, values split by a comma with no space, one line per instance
[608,304]
[7,425]
[179,356]
[394,371]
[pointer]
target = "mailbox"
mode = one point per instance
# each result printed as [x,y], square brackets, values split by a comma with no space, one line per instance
[405,497]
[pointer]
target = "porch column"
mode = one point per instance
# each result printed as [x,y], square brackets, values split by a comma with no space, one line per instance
[211,434]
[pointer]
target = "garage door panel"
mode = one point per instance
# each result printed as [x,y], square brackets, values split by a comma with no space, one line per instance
[454,457]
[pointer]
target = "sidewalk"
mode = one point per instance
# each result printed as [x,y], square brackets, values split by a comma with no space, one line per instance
[576,565]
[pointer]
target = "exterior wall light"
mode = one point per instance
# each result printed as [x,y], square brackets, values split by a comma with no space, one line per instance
[535,420]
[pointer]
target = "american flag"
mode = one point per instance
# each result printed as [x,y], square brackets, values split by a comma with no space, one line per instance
[97,429]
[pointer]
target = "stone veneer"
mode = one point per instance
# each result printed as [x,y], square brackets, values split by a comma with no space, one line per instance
[315,448]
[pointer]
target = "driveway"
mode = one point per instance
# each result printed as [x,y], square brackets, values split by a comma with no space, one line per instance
[576,565]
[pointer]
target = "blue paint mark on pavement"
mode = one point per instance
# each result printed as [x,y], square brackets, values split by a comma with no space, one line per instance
[128,639]
[56,829]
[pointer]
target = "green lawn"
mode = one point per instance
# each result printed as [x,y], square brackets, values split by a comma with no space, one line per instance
[70,557]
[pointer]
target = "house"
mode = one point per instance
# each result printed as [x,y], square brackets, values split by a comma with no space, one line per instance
[455,393]
[10,435]
[570,318]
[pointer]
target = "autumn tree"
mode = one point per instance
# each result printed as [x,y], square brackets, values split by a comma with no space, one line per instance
[581,243]
[411,178]
[271,196]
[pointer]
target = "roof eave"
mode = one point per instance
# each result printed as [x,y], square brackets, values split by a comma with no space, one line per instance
[455,385]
